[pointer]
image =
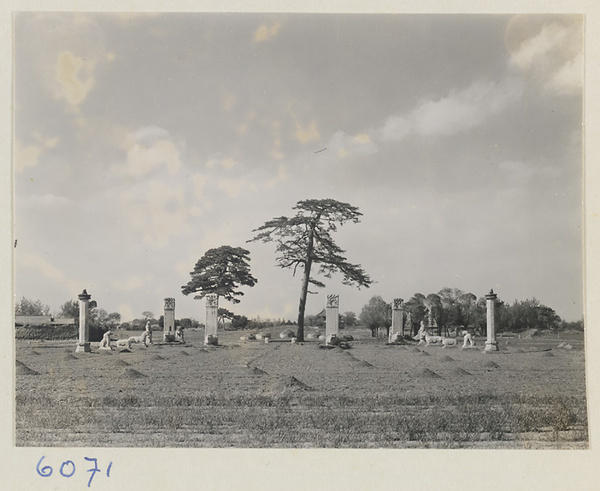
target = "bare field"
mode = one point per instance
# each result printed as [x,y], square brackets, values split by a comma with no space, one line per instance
[250,394]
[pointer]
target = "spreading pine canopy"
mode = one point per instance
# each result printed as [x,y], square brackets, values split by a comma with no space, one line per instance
[221,270]
[305,239]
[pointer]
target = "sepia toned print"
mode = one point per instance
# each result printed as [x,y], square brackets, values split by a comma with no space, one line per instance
[299,231]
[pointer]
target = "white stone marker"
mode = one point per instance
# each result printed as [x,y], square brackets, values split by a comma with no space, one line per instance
[83,345]
[169,320]
[397,326]
[212,310]
[332,318]
[490,343]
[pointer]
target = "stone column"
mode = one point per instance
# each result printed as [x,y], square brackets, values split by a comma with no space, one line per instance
[83,345]
[397,316]
[212,311]
[332,317]
[490,343]
[169,320]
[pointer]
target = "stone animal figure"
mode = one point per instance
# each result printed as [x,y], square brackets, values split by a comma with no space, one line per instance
[139,339]
[468,339]
[448,342]
[105,343]
[121,343]
[429,339]
[133,340]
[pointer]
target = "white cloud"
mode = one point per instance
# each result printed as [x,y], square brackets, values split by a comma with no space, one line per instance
[395,128]
[149,134]
[567,80]
[42,266]
[148,149]
[466,109]
[459,111]
[29,155]
[537,49]
[548,53]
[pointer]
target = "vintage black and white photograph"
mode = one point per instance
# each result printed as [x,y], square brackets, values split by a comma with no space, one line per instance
[299,230]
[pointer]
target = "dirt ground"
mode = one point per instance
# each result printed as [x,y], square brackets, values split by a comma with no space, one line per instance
[530,394]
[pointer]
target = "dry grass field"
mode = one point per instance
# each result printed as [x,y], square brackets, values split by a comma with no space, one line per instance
[251,394]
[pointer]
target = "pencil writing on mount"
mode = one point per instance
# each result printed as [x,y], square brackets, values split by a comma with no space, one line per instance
[322,150]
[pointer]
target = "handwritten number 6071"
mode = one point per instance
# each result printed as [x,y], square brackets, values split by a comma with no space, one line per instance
[67,469]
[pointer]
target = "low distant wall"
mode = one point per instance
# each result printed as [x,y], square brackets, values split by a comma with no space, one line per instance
[55,332]
[64,321]
[33,320]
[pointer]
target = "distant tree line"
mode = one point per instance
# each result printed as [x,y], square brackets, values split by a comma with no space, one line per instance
[451,309]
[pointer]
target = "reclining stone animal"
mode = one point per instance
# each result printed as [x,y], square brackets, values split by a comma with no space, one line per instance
[143,338]
[429,339]
[448,342]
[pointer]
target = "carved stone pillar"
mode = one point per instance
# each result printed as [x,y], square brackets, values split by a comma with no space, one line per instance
[212,311]
[83,345]
[397,318]
[169,320]
[332,317]
[490,344]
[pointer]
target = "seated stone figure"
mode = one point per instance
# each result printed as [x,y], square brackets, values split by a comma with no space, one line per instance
[149,332]
[179,334]
[105,343]
[468,339]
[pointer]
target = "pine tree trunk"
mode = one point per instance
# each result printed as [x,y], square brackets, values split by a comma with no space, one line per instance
[304,289]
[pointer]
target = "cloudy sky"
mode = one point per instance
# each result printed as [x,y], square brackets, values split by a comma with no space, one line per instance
[141,141]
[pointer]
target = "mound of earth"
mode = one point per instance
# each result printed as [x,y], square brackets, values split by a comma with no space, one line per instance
[548,353]
[447,358]
[125,351]
[68,356]
[120,363]
[23,369]
[415,350]
[424,353]
[460,371]
[426,373]
[491,364]
[286,385]
[362,363]
[131,373]
[257,371]
[184,353]
[156,357]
